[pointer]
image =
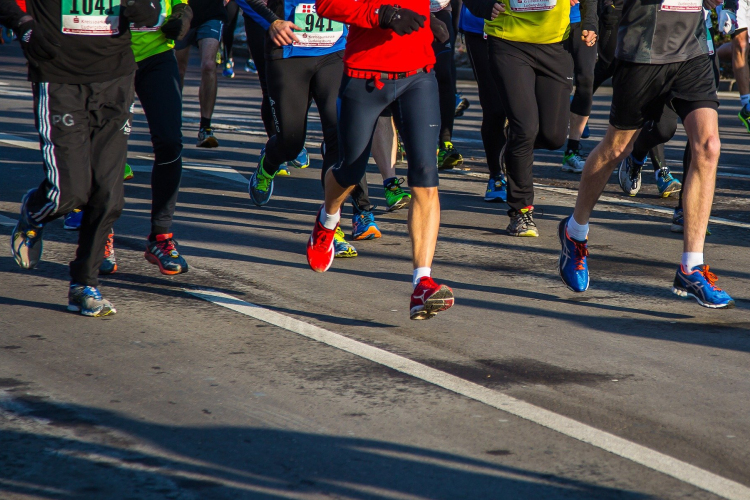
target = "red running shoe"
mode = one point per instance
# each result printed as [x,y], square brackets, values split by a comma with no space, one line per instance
[320,246]
[429,298]
[163,253]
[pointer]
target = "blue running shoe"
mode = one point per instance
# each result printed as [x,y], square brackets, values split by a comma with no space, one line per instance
[572,265]
[26,241]
[462,104]
[250,66]
[228,70]
[283,171]
[302,160]
[586,132]
[678,222]
[364,227]
[341,247]
[88,301]
[496,189]
[260,186]
[73,220]
[666,183]
[700,283]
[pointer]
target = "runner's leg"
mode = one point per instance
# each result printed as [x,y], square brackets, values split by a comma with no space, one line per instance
[256,41]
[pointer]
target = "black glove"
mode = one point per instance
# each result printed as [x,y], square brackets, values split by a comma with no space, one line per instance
[401,21]
[35,46]
[178,23]
[439,29]
[142,13]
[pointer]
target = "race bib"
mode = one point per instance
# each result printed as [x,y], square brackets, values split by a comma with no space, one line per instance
[90,17]
[316,31]
[532,5]
[682,5]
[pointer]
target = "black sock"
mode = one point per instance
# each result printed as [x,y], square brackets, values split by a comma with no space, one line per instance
[573,146]
[205,122]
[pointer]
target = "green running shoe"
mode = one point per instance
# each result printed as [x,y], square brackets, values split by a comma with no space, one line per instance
[448,157]
[128,173]
[341,247]
[395,197]
[744,116]
[260,186]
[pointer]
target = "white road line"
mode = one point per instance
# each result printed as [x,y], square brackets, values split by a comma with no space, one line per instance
[5,221]
[217,170]
[20,142]
[609,442]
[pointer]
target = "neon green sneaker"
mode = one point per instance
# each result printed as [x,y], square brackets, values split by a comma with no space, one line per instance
[448,157]
[395,197]
[128,172]
[260,186]
[744,116]
[341,247]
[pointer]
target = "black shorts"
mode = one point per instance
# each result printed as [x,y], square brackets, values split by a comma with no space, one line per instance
[640,91]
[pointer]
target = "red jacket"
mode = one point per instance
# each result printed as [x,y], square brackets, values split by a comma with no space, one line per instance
[370,47]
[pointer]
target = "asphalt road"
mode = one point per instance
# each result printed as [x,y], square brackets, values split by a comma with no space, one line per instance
[324,388]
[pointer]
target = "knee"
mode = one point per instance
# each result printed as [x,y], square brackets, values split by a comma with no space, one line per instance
[551,137]
[208,66]
[707,150]
[167,152]
[523,136]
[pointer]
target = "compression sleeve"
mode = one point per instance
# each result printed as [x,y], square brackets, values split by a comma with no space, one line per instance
[481,8]
[258,11]
[589,19]
[10,13]
[362,14]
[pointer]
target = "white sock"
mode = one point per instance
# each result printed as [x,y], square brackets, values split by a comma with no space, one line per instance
[578,232]
[691,259]
[329,221]
[420,273]
[745,100]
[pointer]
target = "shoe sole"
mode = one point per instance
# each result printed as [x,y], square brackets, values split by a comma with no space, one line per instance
[370,234]
[450,163]
[497,199]
[560,236]
[152,259]
[90,314]
[676,228]
[745,121]
[283,173]
[107,273]
[670,190]
[211,142]
[71,228]
[572,170]
[525,234]
[439,301]
[345,255]
[402,203]
[686,295]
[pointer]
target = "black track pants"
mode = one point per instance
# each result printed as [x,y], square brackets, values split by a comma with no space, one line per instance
[291,83]
[534,82]
[157,83]
[83,131]
[493,114]
[256,42]
[584,60]
[227,37]
[445,72]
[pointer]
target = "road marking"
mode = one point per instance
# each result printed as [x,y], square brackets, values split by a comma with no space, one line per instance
[609,442]
[5,221]
[20,142]
[217,170]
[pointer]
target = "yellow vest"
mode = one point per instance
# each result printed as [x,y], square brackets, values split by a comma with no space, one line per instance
[549,26]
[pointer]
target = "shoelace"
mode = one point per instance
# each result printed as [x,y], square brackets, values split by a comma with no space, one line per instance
[263,180]
[323,238]
[167,247]
[109,248]
[395,185]
[711,278]
[367,217]
[635,172]
[582,251]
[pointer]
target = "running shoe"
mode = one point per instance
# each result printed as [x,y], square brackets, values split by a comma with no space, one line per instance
[586,132]
[400,151]
[73,220]
[522,223]
[629,175]
[228,70]
[283,171]
[302,160]
[320,246]
[206,138]
[429,298]
[666,183]
[250,66]
[128,173]
[163,253]
[497,189]
[700,283]
[462,104]
[109,264]
[573,162]
[341,247]
[364,227]
[448,157]
[395,197]
[678,222]
[744,116]
[88,301]
[572,266]
[26,243]
[260,185]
